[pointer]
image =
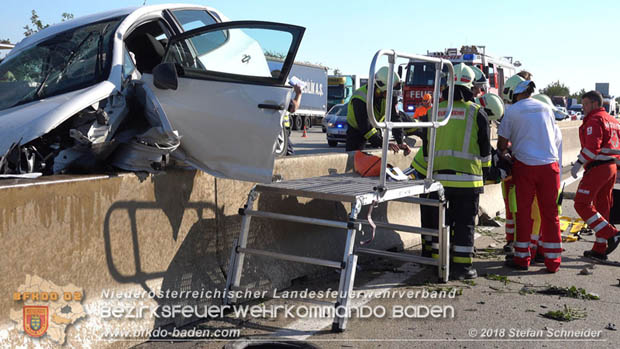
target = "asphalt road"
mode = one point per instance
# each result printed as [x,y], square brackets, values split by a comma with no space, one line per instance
[502,308]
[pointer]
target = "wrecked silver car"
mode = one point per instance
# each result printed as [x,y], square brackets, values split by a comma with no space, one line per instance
[135,89]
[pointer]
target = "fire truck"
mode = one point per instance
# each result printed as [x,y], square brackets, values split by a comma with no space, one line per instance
[420,76]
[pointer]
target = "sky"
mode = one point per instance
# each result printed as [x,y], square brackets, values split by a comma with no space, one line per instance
[574,42]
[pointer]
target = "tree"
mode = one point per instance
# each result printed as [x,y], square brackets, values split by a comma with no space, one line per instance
[38,25]
[556,89]
[5,41]
[578,95]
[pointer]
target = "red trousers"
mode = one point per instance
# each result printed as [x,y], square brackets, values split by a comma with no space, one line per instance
[543,182]
[594,200]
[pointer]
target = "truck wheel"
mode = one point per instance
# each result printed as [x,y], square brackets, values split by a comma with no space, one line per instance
[332,143]
[297,122]
[307,122]
[281,143]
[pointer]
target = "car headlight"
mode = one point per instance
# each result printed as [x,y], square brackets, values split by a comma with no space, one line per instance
[330,124]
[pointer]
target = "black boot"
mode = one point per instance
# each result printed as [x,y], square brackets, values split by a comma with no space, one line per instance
[612,243]
[510,263]
[594,255]
[509,248]
[462,272]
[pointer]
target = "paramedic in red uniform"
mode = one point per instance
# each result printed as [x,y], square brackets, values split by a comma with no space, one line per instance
[530,126]
[600,148]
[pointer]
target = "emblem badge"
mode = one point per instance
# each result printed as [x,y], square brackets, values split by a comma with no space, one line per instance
[36,320]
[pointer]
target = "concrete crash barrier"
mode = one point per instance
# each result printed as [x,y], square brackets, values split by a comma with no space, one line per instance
[103,243]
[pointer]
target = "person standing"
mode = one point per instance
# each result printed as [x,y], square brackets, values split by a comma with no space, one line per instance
[600,148]
[359,130]
[530,126]
[292,107]
[462,160]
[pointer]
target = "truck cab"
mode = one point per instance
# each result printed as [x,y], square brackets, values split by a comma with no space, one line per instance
[340,88]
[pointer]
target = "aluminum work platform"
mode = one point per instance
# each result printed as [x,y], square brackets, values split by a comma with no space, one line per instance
[359,192]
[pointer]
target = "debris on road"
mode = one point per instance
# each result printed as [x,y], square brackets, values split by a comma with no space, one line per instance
[566,314]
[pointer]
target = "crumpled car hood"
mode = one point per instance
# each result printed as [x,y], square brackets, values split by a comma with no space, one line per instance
[33,120]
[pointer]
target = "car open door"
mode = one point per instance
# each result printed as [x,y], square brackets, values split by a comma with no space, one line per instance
[228,104]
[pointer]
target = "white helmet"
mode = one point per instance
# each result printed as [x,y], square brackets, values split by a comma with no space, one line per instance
[544,98]
[381,79]
[509,88]
[492,104]
[479,79]
[464,75]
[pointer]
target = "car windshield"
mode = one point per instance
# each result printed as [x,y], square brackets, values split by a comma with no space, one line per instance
[340,109]
[421,74]
[335,92]
[67,61]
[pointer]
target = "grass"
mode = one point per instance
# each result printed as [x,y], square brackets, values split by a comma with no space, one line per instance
[502,278]
[566,314]
[499,219]
[571,292]
[489,253]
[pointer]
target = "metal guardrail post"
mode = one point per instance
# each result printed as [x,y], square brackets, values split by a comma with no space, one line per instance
[434,117]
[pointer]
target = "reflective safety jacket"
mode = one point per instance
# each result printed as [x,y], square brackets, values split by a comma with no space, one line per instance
[286,120]
[352,119]
[462,146]
[599,137]
[419,162]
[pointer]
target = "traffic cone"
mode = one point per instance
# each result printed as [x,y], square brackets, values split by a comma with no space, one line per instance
[305,133]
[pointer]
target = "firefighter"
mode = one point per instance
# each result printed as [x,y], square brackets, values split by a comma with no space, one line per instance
[600,147]
[494,108]
[359,130]
[421,110]
[530,126]
[462,159]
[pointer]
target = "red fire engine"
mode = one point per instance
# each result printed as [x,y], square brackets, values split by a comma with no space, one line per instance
[420,76]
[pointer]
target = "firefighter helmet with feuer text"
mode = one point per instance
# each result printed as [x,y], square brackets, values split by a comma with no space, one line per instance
[464,75]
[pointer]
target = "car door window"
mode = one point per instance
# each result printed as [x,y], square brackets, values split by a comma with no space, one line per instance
[192,19]
[250,51]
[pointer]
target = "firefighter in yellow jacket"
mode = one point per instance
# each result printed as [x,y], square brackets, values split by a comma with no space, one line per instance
[462,160]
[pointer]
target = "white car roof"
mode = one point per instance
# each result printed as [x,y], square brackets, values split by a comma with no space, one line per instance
[80,21]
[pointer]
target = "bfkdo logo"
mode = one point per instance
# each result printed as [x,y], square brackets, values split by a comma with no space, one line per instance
[46,309]
[36,320]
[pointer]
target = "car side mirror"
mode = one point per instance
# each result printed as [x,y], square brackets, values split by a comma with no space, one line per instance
[165,76]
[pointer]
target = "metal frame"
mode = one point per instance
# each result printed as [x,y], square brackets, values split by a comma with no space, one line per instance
[388,125]
[359,192]
[320,188]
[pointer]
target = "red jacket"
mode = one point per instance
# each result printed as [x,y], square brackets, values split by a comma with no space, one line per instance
[599,137]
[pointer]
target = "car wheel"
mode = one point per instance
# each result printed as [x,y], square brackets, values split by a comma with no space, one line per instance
[307,122]
[297,123]
[281,143]
[332,143]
